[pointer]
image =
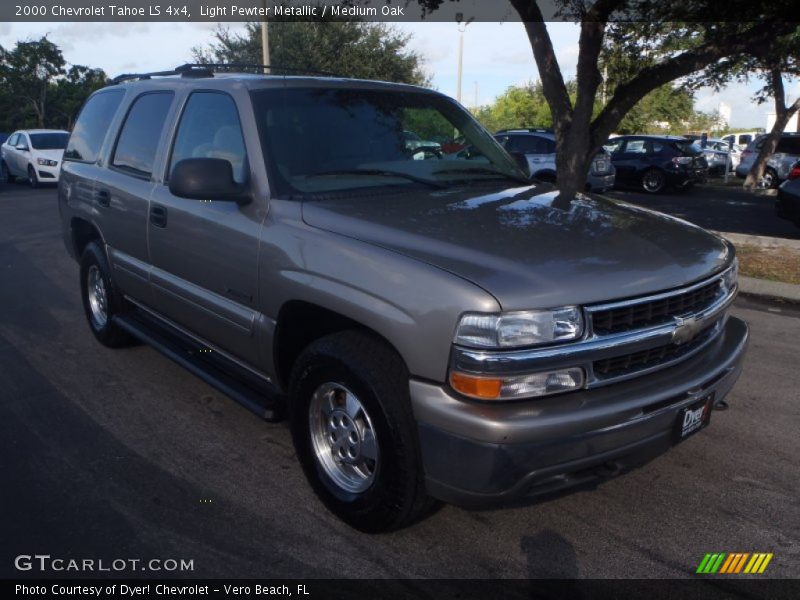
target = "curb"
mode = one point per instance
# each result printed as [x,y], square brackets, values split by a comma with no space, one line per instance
[773,290]
[759,240]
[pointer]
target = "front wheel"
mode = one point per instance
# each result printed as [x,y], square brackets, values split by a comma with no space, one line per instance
[653,181]
[33,180]
[354,431]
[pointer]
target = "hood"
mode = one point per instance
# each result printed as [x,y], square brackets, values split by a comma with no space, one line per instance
[51,154]
[523,248]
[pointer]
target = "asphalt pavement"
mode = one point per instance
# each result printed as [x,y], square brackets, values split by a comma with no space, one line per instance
[121,453]
[728,209]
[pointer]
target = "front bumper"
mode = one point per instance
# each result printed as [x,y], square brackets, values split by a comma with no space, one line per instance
[47,174]
[477,453]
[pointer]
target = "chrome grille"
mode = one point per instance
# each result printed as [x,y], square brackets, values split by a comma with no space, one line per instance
[619,366]
[648,313]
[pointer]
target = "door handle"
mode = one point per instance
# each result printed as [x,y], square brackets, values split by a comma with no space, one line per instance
[158,215]
[103,198]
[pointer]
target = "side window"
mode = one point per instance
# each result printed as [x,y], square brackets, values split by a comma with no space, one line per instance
[656,147]
[92,125]
[789,145]
[210,128]
[23,142]
[12,141]
[530,144]
[140,134]
[635,147]
[548,146]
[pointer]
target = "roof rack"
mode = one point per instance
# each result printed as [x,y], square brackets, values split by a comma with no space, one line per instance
[525,130]
[198,70]
[227,67]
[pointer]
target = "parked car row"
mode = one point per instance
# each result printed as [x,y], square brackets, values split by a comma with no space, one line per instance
[34,155]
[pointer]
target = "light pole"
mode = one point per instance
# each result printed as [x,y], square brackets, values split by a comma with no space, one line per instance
[462,27]
[265,40]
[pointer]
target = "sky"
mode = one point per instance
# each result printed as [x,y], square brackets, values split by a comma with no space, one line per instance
[496,56]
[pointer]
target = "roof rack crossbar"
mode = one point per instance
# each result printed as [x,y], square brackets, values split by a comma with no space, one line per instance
[179,71]
[208,70]
[252,66]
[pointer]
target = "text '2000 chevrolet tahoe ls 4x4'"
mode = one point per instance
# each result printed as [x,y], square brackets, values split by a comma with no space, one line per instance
[434,327]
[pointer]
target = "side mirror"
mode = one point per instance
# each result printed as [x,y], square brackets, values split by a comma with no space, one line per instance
[22,148]
[207,179]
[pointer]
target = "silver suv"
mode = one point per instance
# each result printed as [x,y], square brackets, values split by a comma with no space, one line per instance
[433,327]
[778,165]
[538,147]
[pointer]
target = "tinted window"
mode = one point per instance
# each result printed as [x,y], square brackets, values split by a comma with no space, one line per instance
[789,145]
[210,128]
[635,147]
[93,123]
[49,141]
[138,140]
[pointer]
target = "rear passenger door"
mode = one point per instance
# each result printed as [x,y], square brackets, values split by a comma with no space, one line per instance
[205,252]
[122,190]
[631,160]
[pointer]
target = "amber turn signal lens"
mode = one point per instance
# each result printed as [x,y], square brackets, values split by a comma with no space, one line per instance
[484,388]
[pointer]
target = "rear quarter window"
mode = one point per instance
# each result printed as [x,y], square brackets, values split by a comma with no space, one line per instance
[92,125]
[789,145]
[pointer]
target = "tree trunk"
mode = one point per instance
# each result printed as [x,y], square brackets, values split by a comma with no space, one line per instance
[782,116]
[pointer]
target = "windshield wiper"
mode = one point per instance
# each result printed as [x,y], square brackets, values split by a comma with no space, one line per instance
[482,171]
[380,173]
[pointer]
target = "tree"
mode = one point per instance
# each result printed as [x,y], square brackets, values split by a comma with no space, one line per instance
[29,70]
[662,41]
[773,67]
[38,90]
[346,48]
[68,94]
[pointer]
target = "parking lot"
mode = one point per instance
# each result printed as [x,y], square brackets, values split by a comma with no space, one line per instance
[124,454]
[728,209]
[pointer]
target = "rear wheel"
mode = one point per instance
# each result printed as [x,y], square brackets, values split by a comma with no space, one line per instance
[653,181]
[33,180]
[101,302]
[770,179]
[354,431]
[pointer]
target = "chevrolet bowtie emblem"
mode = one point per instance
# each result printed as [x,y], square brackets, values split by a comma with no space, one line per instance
[686,328]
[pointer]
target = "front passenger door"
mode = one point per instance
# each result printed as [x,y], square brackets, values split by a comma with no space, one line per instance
[204,253]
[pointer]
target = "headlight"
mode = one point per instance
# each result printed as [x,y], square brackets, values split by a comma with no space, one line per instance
[46,162]
[517,329]
[731,276]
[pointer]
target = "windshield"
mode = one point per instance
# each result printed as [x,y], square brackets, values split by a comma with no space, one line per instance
[319,140]
[49,141]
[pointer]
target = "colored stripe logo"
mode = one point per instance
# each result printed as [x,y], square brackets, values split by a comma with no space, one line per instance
[734,563]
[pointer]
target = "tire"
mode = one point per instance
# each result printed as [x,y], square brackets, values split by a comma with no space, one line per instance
[33,180]
[5,173]
[653,181]
[103,302]
[346,389]
[770,179]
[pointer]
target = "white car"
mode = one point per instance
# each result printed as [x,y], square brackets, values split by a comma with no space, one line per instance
[34,155]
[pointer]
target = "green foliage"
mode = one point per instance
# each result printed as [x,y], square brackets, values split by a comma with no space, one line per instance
[346,48]
[37,89]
